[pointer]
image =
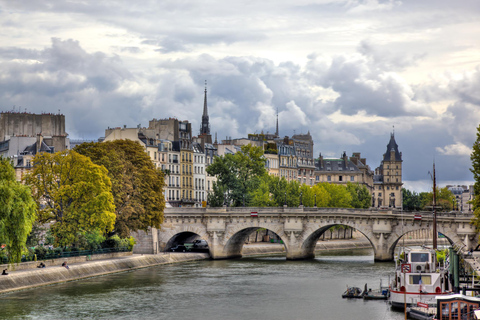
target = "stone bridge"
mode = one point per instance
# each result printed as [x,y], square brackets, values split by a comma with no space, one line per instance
[227,228]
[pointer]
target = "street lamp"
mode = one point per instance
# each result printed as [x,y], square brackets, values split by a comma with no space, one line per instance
[244,200]
[285,204]
[301,198]
[315,200]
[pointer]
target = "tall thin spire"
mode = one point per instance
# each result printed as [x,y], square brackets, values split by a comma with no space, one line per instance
[205,111]
[205,126]
[276,132]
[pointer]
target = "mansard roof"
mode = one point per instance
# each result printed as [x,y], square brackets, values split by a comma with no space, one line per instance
[336,165]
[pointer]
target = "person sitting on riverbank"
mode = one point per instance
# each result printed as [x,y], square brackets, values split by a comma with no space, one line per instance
[4,272]
[65,265]
[41,265]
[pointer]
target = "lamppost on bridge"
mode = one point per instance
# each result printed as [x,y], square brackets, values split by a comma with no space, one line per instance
[315,200]
[244,200]
[285,204]
[301,198]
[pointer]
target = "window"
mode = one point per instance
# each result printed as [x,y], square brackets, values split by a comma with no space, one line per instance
[317,178]
[415,279]
[340,178]
[352,178]
[329,178]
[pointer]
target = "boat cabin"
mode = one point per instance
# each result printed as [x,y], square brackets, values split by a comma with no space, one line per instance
[457,307]
[419,268]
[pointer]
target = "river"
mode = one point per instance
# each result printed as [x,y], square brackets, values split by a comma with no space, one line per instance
[267,288]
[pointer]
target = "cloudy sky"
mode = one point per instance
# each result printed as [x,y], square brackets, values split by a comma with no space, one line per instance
[350,71]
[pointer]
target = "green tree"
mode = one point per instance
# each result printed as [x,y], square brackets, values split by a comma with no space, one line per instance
[360,196]
[323,196]
[137,186]
[17,211]
[339,195]
[73,194]
[444,199]
[411,200]
[238,175]
[475,158]
[261,196]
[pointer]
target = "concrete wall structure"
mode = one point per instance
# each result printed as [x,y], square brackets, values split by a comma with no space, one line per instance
[226,229]
[30,124]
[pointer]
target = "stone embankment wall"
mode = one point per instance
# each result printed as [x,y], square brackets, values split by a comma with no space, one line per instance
[59,261]
[25,279]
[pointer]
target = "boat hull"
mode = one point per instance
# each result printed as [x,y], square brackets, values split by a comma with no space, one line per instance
[398,299]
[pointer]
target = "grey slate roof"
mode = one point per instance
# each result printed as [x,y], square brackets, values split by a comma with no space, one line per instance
[392,145]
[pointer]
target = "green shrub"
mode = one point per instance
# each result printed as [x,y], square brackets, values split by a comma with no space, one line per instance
[131,243]
[94,240]
[40,251]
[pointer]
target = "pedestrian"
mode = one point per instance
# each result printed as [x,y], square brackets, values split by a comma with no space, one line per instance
[65,265]
[4,272]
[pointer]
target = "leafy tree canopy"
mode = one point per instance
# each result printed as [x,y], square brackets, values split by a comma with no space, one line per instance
[73,194]
[360,196]
[238,175]
[137,186]
[444,199]
[411,200]
[17,211]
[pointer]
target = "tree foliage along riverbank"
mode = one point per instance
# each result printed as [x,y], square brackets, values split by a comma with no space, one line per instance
[73,195]
[413,201]
[137,186]
[243,179]
[17,211]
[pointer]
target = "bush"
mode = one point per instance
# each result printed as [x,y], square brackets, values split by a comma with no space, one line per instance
[94,240]
[131,243]
[40,251]
[117,242]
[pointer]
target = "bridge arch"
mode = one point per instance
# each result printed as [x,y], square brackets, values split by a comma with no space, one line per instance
[312,235]
[172,237]
[235,241]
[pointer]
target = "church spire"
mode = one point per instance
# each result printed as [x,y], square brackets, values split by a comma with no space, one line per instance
[276,132]
[205,127]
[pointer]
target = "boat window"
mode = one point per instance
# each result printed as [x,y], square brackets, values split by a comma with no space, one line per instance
[425,279]
[419,257]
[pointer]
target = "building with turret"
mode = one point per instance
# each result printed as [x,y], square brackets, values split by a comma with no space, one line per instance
[387,180]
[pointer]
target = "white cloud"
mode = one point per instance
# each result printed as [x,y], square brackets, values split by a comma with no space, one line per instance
[457,149]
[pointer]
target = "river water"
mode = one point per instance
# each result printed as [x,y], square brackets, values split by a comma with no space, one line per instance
[266,288]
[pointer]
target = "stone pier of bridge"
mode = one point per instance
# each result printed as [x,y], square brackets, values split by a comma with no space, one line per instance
[226,229]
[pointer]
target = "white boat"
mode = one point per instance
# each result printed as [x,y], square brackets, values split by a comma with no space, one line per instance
[419,278]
